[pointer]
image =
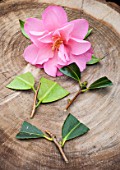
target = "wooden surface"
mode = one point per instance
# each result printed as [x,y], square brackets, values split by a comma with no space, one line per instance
[100,148]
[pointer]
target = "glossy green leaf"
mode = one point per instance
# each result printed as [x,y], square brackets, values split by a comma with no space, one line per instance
[22,82]
[72,71]
[101,83]
[50,91]
[94,60]
[88,33]
[72,128]
[22,28]
[29,131]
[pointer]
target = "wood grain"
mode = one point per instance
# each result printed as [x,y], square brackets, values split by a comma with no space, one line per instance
[100,148]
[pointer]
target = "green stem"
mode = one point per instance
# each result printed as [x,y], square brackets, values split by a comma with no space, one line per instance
[80,84]
[62,143]
[38,103]
[33,89]
[84,90]
[50,139]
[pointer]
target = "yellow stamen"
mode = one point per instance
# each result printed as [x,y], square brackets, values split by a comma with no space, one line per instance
[57,42]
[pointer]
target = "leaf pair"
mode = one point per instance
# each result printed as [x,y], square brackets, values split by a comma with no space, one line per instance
[71,129]
[73,71]
[49,91]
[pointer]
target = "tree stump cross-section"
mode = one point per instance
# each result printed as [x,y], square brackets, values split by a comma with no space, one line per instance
[100,111]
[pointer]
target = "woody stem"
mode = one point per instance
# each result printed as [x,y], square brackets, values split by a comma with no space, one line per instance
[58,145]
[34,103]
[71,101]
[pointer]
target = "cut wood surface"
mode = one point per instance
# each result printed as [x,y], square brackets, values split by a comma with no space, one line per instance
[99,110]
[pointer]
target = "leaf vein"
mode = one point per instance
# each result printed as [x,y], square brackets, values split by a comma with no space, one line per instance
[73,72]
[31,133]
[45,95]
[71,131]
[24,81]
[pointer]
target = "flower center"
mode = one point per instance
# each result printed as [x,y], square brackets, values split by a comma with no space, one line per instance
[57,42]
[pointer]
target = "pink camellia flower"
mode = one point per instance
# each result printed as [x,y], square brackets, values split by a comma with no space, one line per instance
[57,42]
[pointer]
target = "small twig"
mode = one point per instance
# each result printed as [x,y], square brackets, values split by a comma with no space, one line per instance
[34,103]
[58,145]
[71,101]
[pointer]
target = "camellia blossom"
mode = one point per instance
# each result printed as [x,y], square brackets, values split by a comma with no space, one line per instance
[57,42]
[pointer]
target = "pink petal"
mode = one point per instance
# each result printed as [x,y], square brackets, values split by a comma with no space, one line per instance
[81,63]
[37,56]
[52,65]
[67,51]
[64,32]
[88,55]
[63,54]
[81,60]
[59,73]
[35,33]
[44,54]
[35,29]
[40,37]
[54,17]
[80,28]
[47,38]
[30,54]
[33,24]
[79,46]
[39,66]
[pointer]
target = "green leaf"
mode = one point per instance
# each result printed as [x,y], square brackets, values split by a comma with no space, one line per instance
[101,83]
[94,60]
[29,131]
[22,82]
[50,91]
[72,128]
[72,71]
[22,28]
[88,33]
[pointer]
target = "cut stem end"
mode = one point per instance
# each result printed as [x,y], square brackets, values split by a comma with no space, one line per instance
[58,145]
